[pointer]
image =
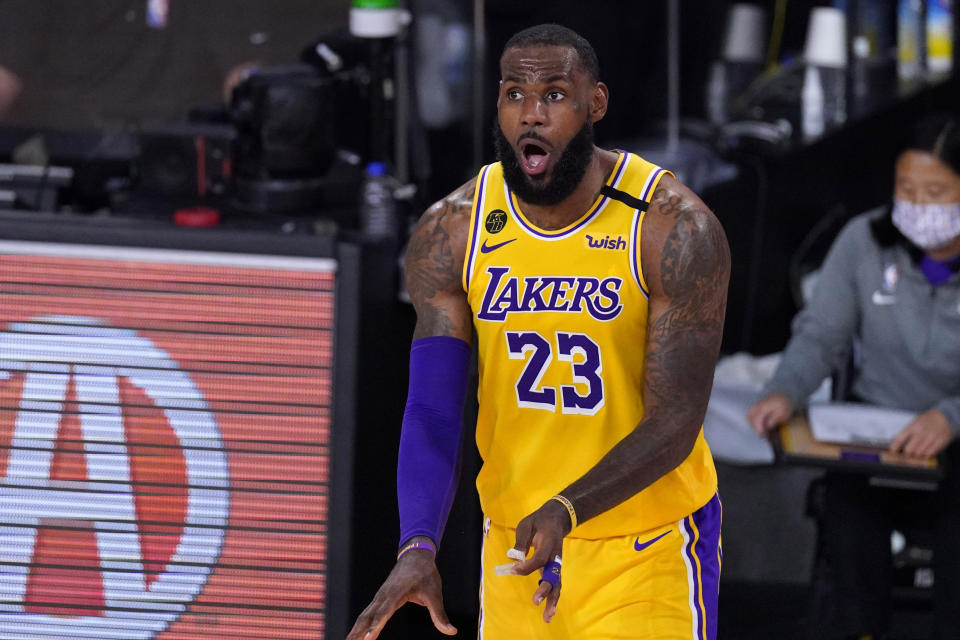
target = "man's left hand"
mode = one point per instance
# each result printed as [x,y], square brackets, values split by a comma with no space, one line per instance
[926,436]
[544,530]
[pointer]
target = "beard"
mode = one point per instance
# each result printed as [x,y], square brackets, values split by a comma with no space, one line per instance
[567,173]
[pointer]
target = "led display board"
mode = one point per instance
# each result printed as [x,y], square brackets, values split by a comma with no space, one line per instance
[167,443]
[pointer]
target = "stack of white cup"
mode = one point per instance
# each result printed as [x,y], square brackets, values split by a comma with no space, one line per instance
[825,56]
[741,59]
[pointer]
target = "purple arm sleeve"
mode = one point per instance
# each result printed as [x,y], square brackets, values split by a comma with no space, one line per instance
[429,462]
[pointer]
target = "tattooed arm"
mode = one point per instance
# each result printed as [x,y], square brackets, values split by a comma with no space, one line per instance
[686,263]
[434,265]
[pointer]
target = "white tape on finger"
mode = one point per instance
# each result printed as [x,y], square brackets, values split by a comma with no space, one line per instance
[516,554]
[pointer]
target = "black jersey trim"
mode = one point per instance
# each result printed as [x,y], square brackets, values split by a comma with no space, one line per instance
[624,197]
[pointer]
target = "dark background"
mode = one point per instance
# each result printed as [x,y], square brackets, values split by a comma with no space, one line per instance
[98,63]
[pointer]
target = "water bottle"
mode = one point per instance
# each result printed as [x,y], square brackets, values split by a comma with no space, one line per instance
[377,18]
[717,94]
[833,81]
[378,210]
[812,104]
[940,32]
[910,44]
[860,73]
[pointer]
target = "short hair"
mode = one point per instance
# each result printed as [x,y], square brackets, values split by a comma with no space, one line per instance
[557,35]
[939,135]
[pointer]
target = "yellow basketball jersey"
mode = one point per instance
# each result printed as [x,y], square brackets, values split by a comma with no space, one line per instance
[561,322]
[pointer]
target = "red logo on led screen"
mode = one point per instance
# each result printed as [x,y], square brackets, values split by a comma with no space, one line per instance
[113,481]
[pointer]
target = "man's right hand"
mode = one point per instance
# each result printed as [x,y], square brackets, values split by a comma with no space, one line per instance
[769,412]
[413,579]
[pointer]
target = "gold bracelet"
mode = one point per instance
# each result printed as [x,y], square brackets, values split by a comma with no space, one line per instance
[420,544]
[569,505]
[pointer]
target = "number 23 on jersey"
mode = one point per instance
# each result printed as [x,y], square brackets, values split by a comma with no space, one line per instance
[581,355]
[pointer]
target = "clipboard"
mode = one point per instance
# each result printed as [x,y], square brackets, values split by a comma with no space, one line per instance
[793,443]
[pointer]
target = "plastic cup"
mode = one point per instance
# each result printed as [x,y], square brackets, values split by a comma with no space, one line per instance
[746,34]
[826,38]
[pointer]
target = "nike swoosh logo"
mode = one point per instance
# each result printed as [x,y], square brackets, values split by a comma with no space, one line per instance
[485,248]
[882,299]
[640,546]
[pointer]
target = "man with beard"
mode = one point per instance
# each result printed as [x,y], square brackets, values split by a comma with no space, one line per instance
[595,284]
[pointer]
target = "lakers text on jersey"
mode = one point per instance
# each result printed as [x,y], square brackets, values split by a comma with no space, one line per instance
[561,321]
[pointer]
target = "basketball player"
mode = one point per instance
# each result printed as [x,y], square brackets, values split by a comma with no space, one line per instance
[595,285]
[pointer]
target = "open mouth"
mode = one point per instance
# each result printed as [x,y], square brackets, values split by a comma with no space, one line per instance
[533,156]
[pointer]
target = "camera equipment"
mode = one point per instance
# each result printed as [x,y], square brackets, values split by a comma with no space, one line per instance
[287,157]
[186,163]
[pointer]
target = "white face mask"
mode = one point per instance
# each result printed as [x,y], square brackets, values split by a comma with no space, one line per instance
[929,226]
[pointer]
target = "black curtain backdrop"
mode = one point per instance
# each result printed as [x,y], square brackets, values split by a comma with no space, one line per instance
[97,62]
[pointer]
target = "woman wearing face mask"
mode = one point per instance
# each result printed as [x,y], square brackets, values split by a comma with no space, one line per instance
[890,284]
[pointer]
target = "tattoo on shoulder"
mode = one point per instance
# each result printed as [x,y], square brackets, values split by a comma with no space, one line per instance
[695,256]
[668,202]
[434,259]
[694,273]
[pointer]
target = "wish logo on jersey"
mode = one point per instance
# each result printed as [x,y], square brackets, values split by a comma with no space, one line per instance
[506,294]
[608,242]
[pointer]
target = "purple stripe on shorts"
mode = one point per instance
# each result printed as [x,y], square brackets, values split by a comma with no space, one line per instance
[480,618]
[707,520]
[688,551]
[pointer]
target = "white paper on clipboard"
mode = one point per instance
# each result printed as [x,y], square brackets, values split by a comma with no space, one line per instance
[853,423]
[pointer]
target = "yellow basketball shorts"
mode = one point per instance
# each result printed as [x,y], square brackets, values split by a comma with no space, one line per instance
[660,584]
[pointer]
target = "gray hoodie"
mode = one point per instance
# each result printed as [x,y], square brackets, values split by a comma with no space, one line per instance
[907,331]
